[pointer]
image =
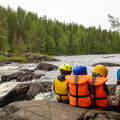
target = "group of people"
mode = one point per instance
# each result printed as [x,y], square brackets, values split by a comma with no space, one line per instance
[75,87]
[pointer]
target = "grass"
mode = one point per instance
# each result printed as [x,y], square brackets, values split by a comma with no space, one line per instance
[3,58]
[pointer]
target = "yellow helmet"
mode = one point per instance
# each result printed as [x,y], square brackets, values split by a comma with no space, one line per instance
[100,69]
[65,69]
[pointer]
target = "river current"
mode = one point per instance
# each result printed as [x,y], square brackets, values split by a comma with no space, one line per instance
[87,60]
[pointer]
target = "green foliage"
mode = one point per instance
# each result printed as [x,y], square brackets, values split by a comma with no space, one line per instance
[22,32]
[50,45]
[37,37]
[4,44]
[3,58]
[17,59]
[12,24]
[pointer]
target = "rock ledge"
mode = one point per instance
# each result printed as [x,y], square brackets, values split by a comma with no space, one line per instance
[52,110]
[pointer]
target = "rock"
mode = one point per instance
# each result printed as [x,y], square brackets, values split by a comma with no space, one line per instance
[108,57]
[34,56]
[47,110]
[46,67]
[52,110]
[20,76]
[27,70]
[7,54]
[28,77]
[106,64]
[2,63]
[95,114]
[25,91]
[5,78]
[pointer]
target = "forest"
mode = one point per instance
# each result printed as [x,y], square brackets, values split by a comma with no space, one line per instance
[23,31]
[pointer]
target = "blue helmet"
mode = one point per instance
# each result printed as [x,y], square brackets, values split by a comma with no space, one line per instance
[118,75]
[80,70]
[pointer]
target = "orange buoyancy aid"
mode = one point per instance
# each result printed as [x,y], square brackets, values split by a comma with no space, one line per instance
[61,90]
[100,96]
[79,94]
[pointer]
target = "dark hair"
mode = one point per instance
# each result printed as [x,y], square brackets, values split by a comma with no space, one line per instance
[118,83]
[65,72]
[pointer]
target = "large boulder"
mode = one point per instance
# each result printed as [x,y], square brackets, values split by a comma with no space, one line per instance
[25,91]
[34,56]
[52,110]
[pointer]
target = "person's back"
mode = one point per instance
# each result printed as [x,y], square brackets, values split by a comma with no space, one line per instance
[60,83]
[100,89]
[80,91]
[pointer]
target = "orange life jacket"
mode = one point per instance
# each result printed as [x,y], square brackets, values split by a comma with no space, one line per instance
[100,96]
[79,94]
[61,90]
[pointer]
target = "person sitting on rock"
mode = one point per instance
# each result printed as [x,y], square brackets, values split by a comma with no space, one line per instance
[101,93]
[60,83]
[80,90]
[116,102]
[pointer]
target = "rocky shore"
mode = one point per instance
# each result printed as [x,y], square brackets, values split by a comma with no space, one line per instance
[52,110]
[45,109]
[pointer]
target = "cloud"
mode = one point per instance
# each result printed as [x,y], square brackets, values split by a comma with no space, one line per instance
[85,12]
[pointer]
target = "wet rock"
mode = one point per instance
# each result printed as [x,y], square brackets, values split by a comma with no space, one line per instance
[3,63]
[108,57]
[5,78]
[27,70]
[28,77]
[106,64]
[20,76]
[46,67]
[25,91]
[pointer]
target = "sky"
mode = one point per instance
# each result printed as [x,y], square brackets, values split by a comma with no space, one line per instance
[83,12]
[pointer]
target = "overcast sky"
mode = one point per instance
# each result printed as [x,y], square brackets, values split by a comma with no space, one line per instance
[85,12]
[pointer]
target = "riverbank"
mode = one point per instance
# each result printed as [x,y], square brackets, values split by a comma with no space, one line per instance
[29,57]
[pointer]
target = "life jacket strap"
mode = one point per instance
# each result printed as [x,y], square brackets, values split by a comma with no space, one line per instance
[101,98]
[63,101]
[93,81]
[83,96]
[76,79]
[62,94]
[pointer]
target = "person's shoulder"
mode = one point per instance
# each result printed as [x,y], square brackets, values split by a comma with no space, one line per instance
[118,86]
[61,77]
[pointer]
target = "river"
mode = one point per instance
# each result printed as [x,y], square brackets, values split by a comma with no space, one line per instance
[87,60]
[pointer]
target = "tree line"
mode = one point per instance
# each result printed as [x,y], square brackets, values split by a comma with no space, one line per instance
[22,31]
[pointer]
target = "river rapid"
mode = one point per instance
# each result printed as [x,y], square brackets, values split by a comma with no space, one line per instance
[87,60]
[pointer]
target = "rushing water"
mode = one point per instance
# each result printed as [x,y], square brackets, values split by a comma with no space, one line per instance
[87,60]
